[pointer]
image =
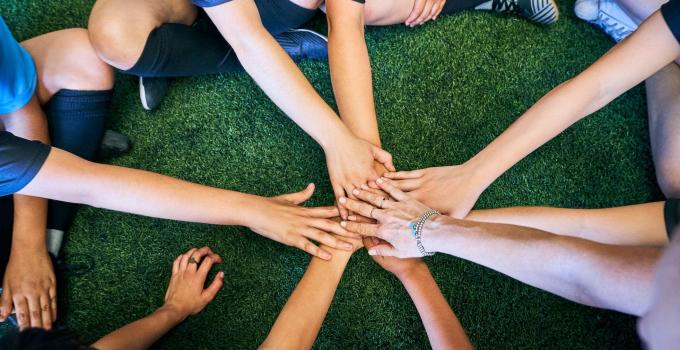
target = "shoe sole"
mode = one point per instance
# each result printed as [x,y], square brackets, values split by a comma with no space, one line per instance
[142,94]
[324,38]
[548,14]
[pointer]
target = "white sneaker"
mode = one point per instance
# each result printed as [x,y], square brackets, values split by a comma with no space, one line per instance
[606,15]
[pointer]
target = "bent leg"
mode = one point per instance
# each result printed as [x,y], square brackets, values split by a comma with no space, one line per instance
[119,28]
[75,89]
[663,103]
[634,225]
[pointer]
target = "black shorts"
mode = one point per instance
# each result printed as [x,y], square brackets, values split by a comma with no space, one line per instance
[672,215]
[277,15]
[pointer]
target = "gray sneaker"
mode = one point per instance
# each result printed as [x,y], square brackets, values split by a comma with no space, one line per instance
[540,11]
[606,15]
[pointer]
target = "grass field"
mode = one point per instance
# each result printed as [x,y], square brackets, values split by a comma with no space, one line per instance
[443,91]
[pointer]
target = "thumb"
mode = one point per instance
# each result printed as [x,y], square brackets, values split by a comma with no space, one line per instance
[382,250]
[384,158]
[298,197]
[5,304]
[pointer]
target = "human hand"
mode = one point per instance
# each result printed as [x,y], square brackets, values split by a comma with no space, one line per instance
[398,267]
[393,219]
[351,163]
[423,11]
[186,295]
[30,285]
[452,190]
[283,220]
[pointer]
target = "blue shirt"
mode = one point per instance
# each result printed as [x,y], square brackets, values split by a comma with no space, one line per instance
[671,14]
[20,162]
[18,78]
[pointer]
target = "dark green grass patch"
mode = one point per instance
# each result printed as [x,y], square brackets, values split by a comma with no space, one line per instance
[443,91]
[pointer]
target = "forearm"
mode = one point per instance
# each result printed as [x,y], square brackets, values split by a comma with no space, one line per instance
[30,213]
[595,274]
[298,324]
[271,68]
[443,328]
[141,334]
[350,69]
[641,224]
[645,52]
[68,178]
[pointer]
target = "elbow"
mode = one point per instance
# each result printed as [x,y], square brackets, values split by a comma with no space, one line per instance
[350,25]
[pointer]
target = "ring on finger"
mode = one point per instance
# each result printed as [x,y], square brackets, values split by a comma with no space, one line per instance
[371,214]
[382,200]
[193,261]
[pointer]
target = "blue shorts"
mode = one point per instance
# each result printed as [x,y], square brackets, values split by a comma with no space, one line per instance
[18,78]
[277,15]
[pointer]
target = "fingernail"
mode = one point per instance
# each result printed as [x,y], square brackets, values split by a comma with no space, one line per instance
[356,192]
[221,274]
[343,223]
[347,246]
[372,252]
[352,218]
[379,180]
[325,256]
[343,200]
[364,187]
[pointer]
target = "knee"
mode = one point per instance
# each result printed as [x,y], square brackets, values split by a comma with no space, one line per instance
[72,63]
[668,177]
[115,40]
[86,71]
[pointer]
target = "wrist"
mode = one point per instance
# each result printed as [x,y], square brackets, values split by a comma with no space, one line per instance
[336,137]
[411,271]
[482,171]
[436,232]
[172,313]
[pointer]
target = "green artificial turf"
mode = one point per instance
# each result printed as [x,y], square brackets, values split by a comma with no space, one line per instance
[443,91]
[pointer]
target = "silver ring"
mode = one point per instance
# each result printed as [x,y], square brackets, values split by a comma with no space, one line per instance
[382,200]
[371,214]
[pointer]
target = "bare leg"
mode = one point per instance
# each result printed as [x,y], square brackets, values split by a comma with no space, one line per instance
[663,101]
[638,225]
[119,28]
[65,59]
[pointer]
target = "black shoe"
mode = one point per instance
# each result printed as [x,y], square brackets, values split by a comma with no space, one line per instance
[540,11]
[152,91]
[113,144]
[303,44]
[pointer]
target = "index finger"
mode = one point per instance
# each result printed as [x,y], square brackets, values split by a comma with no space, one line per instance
[364,209]
[393,191]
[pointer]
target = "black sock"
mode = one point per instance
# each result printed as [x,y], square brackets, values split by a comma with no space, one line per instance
[6,221]
[178,50]
[76,120]
[453,6]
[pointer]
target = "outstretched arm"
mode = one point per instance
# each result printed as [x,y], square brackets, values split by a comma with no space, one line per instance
[454,190]
[185,297]
[68,178]
[636,225]
[300,320]
[595,274]
[350,159]
[443,328]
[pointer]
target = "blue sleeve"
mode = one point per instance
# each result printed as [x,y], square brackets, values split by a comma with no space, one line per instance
[20,162]
[18,78]
[209,3]
[671,14]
